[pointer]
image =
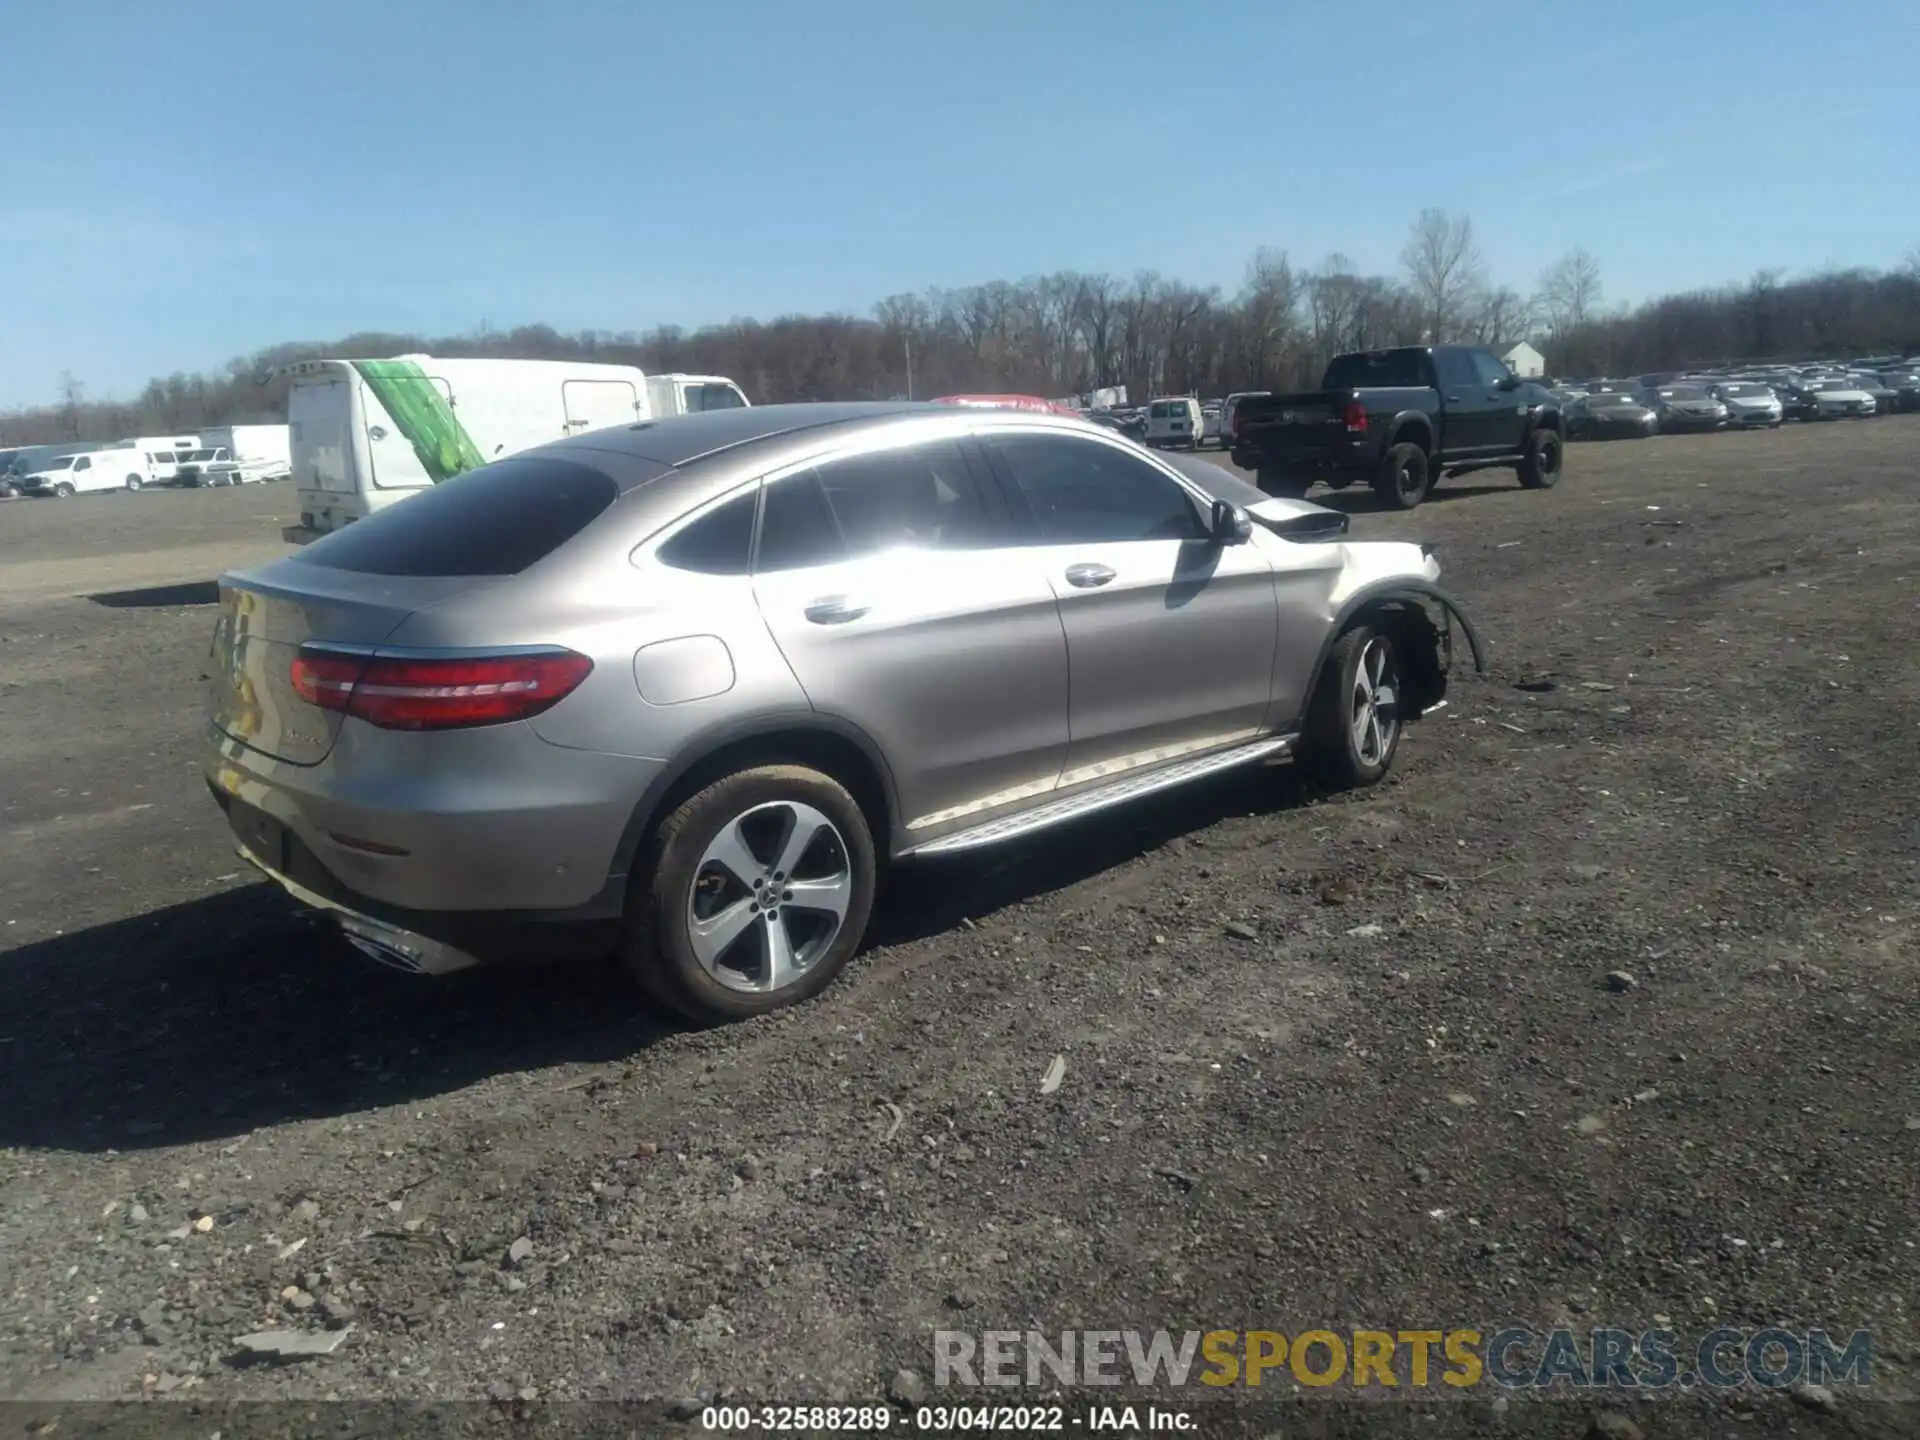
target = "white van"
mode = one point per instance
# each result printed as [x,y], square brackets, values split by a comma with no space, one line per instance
[1175,420]
[365,433]
[163,453]
[104,469]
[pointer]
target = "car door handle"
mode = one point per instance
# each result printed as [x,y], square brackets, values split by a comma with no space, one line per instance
[834,610]
[1089,576]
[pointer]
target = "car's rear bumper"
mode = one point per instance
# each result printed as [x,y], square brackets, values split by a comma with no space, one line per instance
[416,829]
[390,944]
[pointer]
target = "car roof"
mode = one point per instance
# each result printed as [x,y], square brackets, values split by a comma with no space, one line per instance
[682,439]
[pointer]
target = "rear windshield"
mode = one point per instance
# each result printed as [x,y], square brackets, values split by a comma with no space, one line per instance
[1386,367]
[496,520]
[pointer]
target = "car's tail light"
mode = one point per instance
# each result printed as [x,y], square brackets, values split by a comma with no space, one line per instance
[1356,417]
[398,693]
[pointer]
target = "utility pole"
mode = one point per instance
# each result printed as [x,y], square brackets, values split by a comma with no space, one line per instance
[906,337]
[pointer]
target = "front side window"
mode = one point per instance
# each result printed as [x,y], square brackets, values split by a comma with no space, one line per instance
[83,463]
[1489,370]
[1083,491]
[1455,370]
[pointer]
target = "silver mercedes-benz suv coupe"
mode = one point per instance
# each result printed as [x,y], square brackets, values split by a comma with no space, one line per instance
[682,690]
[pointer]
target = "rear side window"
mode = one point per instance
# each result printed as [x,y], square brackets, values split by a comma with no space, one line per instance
[796,528]
[496,520]
[720,543]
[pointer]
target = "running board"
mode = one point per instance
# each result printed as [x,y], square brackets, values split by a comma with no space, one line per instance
[1087,802]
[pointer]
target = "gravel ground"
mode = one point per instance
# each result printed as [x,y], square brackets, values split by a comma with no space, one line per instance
[1339,1062]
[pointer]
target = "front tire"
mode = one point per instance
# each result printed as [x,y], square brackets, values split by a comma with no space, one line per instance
[1540,466]
[1353,730]
[1404,478]
[751,896]
[134,482]
[63,491]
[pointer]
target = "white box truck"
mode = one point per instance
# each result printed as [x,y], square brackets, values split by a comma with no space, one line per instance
[163,453]
[238,455]
[365,433]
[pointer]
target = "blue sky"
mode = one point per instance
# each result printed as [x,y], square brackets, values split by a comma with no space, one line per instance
[180,184]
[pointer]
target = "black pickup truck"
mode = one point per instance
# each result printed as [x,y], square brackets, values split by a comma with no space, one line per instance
[1397,419]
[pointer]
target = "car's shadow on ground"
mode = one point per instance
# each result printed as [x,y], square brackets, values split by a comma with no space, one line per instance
[216,1016]
[156,597]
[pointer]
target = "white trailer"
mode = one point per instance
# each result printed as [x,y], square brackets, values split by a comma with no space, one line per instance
[243,454]
[366,433]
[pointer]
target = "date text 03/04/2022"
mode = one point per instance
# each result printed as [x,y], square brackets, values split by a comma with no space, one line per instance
[946,1419]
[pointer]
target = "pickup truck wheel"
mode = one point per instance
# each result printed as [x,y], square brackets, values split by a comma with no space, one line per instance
[1404,478]
[1283,486]
[1540,466]
[1353,729]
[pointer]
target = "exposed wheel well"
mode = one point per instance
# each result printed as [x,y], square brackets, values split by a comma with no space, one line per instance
[1425,648]
[823,750]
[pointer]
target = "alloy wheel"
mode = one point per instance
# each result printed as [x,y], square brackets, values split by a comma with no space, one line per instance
[769,897]
[1373,713]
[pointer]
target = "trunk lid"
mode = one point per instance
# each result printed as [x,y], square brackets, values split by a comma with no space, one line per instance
[267,614]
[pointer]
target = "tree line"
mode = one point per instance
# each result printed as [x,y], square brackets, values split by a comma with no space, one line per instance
[1069,333]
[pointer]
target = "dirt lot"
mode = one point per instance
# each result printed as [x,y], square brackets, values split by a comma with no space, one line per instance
[1410,1098]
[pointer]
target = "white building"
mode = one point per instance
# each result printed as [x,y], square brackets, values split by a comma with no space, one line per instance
[1525,361]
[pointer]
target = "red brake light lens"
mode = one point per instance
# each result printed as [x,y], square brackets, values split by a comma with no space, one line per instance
[414,694]
[1356,416]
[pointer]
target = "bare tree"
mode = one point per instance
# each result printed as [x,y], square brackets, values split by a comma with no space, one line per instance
[1444,268]
[1067,333]
[1500,316]
[72,396]
[1570,291]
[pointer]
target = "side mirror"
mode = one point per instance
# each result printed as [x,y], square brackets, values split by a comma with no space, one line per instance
[1510,382]
[1228,525]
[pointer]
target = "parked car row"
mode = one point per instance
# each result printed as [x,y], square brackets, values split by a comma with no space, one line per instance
[1766,397]
[225,455]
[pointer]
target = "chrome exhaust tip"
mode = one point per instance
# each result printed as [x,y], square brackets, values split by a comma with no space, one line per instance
[386,954]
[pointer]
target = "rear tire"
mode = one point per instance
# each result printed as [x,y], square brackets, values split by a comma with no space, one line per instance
[1540,466]
[1404,479]
[716,944]
[1353,729]
[1282,485]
